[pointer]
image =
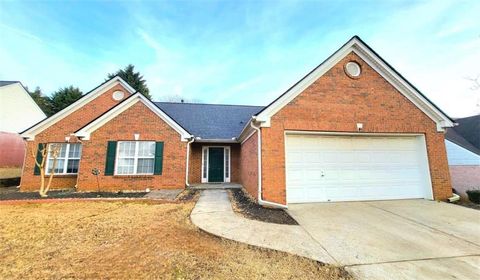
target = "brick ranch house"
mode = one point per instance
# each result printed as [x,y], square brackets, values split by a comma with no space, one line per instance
[351,129]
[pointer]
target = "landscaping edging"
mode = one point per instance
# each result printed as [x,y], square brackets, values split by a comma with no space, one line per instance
[185,196]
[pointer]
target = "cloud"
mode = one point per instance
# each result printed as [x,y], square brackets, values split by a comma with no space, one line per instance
[247,53]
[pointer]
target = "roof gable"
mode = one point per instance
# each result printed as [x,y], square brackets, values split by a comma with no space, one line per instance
[18,110]
[6,83]
[86,131]
[30,133]
[357,46]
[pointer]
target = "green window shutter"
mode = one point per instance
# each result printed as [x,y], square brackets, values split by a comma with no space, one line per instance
[158,158]
[111,153]
[36,170]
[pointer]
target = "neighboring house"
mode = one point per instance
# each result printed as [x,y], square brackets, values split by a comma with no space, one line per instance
[463,151]
[352,129]
[18,111]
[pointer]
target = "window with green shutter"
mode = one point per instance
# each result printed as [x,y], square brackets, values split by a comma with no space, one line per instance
[158,158]
[110,161]
[41,146]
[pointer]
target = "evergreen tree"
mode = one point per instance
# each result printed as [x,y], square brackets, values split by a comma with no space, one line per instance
[134,79]
[64,97]
[42,101]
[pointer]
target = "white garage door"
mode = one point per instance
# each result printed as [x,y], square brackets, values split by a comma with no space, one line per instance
[349,168]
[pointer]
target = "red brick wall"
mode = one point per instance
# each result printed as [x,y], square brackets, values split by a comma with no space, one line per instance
[195,169]
[249,165]
[464,178]
[137,119]
[195,164]
[58,132]
[336,102]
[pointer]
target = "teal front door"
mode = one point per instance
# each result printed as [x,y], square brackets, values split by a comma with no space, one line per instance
[215,164]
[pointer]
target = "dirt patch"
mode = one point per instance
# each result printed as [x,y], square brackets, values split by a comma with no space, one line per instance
[244,205]
[133,240]
[16,195]
[10,172]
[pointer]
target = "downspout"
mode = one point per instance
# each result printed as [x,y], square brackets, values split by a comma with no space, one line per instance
[455,197]
[188,160]
[259,153]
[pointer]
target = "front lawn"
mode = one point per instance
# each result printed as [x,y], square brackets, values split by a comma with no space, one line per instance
[132,240]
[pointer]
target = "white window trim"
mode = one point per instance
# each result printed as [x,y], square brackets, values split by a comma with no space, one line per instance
[226,150]
[135,159]
[66,158]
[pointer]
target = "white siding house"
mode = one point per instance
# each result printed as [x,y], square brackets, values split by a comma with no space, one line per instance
[18,111]
[463,153]
[458,155]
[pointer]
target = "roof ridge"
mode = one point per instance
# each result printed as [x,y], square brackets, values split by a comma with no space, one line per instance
[192,103]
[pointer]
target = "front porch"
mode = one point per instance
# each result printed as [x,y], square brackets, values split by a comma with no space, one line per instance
[214,165]
[215,186]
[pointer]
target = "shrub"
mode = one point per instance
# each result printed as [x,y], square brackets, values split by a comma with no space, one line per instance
[474,196]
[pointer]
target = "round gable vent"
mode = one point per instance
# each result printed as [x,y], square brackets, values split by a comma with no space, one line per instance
[118,95]
[353,69]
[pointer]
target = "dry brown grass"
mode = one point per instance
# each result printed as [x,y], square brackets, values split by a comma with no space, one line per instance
[10,172]
[132,240]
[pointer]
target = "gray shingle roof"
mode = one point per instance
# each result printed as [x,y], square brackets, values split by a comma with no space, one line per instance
[210,121]
[466,134]
[6,83]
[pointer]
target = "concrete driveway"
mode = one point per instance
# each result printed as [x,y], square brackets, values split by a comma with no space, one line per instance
[401,239]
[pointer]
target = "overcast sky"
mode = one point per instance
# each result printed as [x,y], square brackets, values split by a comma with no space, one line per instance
[238,52]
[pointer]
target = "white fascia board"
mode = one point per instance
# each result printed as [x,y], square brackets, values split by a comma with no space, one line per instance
[31,132]
[247,129]
[356,46]
[86,131]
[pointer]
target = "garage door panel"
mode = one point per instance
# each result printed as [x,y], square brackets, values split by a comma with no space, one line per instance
[348,168]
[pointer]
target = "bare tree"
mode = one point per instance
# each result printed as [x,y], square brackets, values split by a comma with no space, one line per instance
[53,150]
[476,88]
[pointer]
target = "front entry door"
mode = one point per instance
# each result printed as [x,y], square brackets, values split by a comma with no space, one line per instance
[215,164]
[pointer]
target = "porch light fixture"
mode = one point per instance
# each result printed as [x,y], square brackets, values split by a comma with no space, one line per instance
[136,136]
[67,139]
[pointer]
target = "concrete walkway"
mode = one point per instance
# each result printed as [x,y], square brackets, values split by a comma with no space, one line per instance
[213,213]
[163,194]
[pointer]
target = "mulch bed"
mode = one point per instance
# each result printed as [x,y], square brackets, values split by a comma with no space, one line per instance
[68,194]
[468,204]
[187,195]
[247,207]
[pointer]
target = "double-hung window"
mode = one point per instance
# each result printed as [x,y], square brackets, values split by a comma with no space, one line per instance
[68,158]
[135,158]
